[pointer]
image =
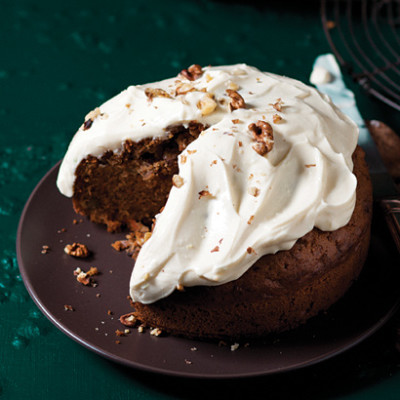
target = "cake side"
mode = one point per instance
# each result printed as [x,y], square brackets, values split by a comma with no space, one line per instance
[280,291]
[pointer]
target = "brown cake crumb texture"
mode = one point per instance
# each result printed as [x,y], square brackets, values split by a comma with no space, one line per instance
[121,189]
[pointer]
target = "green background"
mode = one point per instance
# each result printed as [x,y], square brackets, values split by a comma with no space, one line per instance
[59,60]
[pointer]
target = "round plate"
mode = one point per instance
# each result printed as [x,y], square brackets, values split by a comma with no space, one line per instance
[49,220]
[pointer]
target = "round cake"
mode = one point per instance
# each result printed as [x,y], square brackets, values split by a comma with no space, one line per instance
[250,199]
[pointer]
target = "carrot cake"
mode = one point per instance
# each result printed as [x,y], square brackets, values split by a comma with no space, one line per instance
[249,181]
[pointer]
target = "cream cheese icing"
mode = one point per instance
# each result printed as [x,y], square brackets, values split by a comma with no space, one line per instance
[232,205]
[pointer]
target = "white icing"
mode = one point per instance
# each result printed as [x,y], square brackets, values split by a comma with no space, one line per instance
[258,204]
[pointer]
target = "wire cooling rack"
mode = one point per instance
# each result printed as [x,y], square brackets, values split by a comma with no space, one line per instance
[364,36]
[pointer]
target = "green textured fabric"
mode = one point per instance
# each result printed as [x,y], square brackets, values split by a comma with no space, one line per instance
[58,60]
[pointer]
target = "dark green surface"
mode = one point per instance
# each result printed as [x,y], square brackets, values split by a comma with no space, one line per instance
[58,60]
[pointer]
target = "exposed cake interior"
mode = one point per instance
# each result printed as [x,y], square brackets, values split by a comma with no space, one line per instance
[132,185]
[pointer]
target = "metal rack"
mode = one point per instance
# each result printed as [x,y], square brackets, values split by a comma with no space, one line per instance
[365,37]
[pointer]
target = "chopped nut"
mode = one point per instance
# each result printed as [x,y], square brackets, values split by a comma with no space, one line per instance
[250,250]
[183,159]
[151,93]
[180,287]
[205,193]
[45,249]
[207,104]
[236,121]
[82,278]
[85,277]
[177,181]
[276,119]
[135,240]
[93,114]
[156,332]
[234,346]
[128,319]
[193,72]
[188,362]
[250,220]
[260,148]
[310,165]
[237,100]
[262,132]
[68,307]
[90,118]
[184,88]
[109,312]
[119,333]
[254,191]
[215,249]
[87,124]
[119,245]
[278,104]
[76,250]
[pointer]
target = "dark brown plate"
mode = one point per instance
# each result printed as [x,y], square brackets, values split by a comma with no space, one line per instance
[50,281]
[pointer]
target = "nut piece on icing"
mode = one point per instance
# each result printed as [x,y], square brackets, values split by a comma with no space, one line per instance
[207,104]
[193,72]
[151,93]
[237,100]
[177,181]
[262,133]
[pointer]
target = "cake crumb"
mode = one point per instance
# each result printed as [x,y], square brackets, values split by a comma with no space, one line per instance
[119,333]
